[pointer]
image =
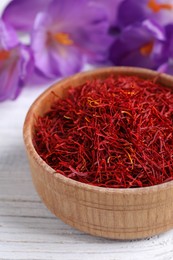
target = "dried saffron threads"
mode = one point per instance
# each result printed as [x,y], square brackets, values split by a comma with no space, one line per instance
[116,133]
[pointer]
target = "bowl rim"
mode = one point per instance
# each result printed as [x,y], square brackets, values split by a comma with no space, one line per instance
[27,136]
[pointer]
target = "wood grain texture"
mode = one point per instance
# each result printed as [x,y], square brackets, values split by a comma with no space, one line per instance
[111,213]
[28,231]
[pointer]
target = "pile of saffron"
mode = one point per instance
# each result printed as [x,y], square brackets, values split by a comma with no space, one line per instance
[115,133]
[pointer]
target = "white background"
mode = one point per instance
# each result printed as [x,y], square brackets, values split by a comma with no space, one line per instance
[27,229]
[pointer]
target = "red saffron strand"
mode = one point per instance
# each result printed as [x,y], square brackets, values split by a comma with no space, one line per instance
[114,133]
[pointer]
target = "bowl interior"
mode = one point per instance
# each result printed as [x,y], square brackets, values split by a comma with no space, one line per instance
[44,101]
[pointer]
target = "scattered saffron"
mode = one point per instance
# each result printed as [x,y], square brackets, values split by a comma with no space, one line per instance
[115,133]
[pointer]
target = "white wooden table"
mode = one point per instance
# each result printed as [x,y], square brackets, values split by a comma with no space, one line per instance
[27,229]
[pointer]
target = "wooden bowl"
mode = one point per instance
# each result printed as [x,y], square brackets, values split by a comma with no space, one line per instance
[112,213]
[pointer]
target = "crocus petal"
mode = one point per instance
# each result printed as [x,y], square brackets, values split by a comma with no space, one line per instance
[138,45]
[14,63]
[159,10]
[9,78]
[37,79]
[66,61]
[155,29]
[21,13]
[13,73]
[166,67]
[112,8]
[163,68]
[94,40]
[165,15]
[26,63]
[39,44]
[166,53]
[53,60]
[8,37]
[168,47]
[88,28]
[137,13]
[65,13]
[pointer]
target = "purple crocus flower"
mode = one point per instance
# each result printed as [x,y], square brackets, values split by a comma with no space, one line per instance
[159,10]
[139,45]
[68,34]
[14,63]
[21,13]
